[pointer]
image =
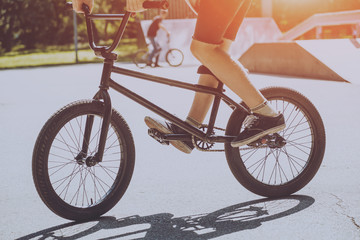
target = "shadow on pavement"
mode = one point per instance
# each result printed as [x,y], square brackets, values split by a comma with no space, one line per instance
[235,218]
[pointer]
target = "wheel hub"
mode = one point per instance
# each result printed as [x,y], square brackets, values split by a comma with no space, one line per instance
[80,158]
[90,161]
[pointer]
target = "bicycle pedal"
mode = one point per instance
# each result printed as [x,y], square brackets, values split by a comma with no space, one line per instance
[158,136]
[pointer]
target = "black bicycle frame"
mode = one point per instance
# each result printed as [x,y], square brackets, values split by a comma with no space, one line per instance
[107,82]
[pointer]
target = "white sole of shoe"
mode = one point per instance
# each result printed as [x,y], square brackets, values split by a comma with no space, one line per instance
[256,137]
[153,123]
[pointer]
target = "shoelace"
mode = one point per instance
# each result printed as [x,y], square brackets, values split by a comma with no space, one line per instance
[249,121]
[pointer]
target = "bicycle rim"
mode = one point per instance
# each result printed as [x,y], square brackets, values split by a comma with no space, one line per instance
[174,57]
[141,58]
[74,182]
[278,170]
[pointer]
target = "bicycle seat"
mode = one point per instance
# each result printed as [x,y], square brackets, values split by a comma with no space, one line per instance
[204,70]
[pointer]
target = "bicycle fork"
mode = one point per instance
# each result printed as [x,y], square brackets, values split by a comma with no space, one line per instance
[104,95]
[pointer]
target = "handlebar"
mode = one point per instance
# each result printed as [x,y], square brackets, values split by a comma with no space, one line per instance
[164,4]
[106,51]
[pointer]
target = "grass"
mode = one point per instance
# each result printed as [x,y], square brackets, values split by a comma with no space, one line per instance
[48,57]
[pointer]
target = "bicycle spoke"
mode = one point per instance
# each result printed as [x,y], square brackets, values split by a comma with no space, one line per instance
[71,176]
[62,149]
[100,183]
[107,171]
[65,158]
[63,141]
[70,136]
[80,132]
[293,164]
[62,165]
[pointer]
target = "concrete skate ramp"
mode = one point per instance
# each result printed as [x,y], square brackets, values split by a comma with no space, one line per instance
[333,59]
[252,30]
[340,55]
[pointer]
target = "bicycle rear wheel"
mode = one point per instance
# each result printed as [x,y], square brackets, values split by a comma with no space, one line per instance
[174,57]
[141,58]
[73,187]
[279,167]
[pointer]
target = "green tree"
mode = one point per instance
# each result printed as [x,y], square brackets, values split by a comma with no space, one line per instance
[44,22]
[33,22]
[9,24]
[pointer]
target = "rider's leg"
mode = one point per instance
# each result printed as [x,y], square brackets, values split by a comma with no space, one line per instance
[159,49]
[217,21]
[203,101]
[234,75]
[155,49]
[157,60]
[230,72]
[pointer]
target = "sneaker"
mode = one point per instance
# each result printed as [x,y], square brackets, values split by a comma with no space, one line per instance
[257,126]
[170,128]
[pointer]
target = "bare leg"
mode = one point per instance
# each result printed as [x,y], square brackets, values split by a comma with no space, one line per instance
[230,72]
[203,101]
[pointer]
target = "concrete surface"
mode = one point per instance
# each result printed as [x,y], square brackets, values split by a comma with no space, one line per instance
[173,195]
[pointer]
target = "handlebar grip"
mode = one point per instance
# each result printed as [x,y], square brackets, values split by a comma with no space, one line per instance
[156,4]
[69,6]
[85,8]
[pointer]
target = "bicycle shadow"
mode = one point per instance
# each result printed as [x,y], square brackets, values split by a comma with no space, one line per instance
[235,218]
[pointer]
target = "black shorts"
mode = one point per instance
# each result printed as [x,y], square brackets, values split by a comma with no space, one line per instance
[219,19]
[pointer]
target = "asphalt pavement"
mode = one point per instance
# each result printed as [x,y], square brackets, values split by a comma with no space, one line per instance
[173,195]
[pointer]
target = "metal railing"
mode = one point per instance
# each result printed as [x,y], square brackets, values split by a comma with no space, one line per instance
[320,20]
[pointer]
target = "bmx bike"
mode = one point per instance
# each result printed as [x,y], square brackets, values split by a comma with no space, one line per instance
[84,156]
[173,56]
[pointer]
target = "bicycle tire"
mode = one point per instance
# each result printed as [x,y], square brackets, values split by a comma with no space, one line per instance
[281,171]
[141,58]
[71,188]
[174,57]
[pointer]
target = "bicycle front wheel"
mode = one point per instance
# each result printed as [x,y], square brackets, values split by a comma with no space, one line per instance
[284,163]
[73,187]
[141,58]
[174,57]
